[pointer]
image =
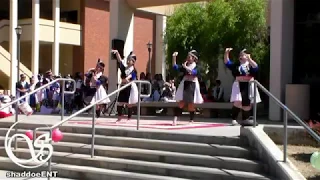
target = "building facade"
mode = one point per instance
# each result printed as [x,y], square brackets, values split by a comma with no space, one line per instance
[69,36]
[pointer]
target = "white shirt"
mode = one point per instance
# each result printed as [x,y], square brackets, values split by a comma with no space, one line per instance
[7,110]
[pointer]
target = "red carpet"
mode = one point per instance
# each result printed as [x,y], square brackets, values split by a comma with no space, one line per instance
[152,124]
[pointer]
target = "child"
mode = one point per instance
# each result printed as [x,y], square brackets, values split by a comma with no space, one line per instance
[8,111]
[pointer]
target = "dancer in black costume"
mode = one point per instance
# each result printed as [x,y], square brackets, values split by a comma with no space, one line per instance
[188,92]
[244,71]
[129,95]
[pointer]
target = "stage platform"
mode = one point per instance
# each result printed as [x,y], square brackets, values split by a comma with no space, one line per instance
[203,126]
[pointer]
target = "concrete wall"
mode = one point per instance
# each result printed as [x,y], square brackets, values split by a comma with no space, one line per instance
[281,34]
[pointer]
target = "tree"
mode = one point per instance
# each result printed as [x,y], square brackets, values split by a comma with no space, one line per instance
[210,27]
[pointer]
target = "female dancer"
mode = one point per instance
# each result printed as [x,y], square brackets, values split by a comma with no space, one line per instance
[188,92]
[129,95]
[242,91]
[97,81]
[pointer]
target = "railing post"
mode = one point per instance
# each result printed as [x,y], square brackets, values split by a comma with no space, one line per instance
[285,135]
[16,128]
[254,104]
[93,130]
[50,160]
[138,107]
[62,98]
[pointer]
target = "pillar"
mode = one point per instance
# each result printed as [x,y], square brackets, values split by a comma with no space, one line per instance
[35,36]
[121,27]
[56,41]
[160,64]
[13,46]
[281,34]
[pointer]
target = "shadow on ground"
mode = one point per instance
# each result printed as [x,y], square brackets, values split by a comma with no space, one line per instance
[304,157]
[314,178]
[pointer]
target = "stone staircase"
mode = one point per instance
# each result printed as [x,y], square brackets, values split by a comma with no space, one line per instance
[128,154]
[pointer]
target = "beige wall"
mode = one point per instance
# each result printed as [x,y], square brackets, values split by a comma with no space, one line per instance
[66,56]
[69,33]
[66,59]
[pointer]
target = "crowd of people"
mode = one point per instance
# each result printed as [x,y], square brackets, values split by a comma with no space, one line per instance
[93,86]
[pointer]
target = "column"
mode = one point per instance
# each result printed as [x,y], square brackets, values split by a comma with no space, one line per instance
[121,27]
[160,64]
[35,36]
[281,59]
[13,46]
[56,41]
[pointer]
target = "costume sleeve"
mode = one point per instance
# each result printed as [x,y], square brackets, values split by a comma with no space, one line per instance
[121,66]
[229,64]
[134,75]
[194,72]
[177,67]
[254,69]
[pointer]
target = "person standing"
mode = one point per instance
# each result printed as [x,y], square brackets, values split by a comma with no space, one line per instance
[188,92]
[22,87]
[128,96]
[244,71]
[98,81]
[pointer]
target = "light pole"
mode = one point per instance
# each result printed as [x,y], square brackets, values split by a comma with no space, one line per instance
[18,32]
[149,45]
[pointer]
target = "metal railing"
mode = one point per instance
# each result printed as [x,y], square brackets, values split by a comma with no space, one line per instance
[93,105]
[63,92]
[285,120]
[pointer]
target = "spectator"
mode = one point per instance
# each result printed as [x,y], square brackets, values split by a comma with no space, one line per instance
[145,87]
[169,91]
[8,111]
[218,92]
[33,98]
[78,94]
[22,87]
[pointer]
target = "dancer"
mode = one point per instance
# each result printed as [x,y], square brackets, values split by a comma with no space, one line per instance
[128,96]
[242,91]
[98,80]
[188,92]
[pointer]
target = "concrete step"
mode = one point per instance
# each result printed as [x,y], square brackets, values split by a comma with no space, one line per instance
[87,172]
[203,149]
[146,134]
[156,156]
[170,158]
[151,144]
[157,168]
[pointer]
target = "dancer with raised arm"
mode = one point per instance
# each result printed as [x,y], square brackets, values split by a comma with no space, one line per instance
[188,92]
[244,71]
[97,81]
[128,96]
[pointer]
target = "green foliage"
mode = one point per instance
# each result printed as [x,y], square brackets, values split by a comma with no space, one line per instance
[211,27]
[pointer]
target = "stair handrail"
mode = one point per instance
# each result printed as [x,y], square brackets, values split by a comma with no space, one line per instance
[43,87]
[93,116]
[97,102]
[285,121]
[16,101]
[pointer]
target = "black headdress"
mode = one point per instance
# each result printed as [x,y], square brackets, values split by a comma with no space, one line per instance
[132,56]
[194,53]
[100,63]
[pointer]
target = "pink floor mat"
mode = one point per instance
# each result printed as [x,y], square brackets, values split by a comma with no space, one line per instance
[152,124]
